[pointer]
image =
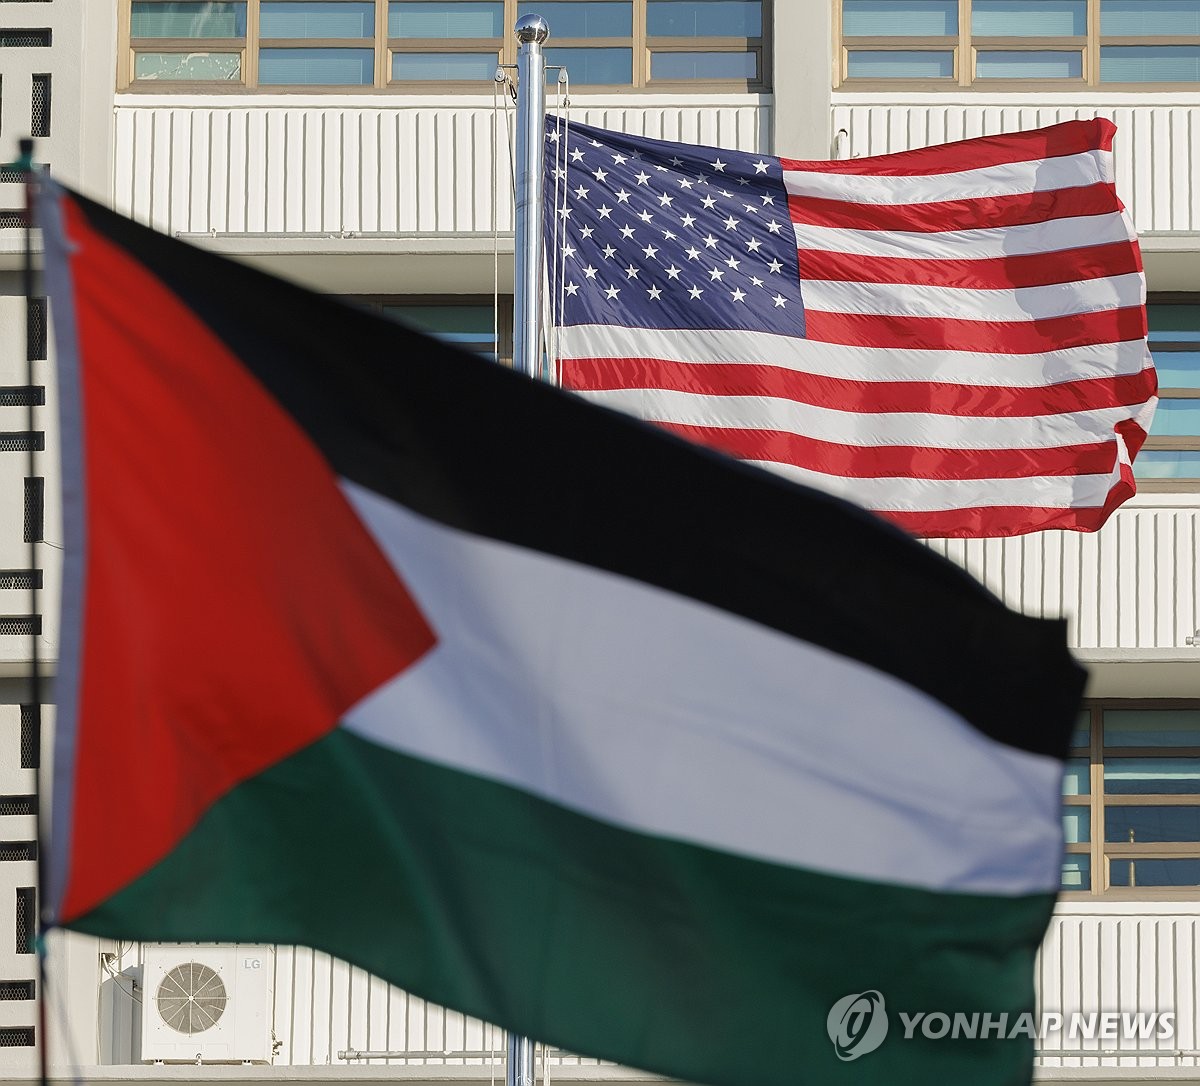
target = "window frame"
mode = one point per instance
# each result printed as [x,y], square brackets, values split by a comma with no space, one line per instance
[1180,443]
[966,46]
[375,303]
[1099,851]
[504,49]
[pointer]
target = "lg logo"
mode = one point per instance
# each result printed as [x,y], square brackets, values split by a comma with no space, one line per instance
[857,1024]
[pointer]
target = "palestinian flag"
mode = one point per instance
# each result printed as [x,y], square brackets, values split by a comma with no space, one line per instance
[522,705]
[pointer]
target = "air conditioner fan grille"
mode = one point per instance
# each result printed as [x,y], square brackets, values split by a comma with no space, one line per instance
[191,998]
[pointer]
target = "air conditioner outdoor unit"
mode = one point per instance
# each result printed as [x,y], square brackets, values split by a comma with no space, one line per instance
[206,1003]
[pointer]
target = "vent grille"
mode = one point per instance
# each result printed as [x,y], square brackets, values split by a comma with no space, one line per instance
[17,989]
[24,39]
[26,919]
[31,736]
[12,219]
[16,1037]
[39,119]
[22,441]
[22,395]
[18,805]
[16,625]
[35,509]
[35,329]
[20,579]
[17,851]
[10,175]
[191,998]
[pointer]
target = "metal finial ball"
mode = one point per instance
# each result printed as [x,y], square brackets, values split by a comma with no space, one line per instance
[532,28]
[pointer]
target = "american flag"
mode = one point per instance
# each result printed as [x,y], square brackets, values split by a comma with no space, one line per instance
[954,337]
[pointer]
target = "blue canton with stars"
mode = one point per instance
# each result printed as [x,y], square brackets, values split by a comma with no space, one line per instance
[654,234]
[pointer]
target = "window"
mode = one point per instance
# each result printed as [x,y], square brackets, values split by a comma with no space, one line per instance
[457,44]
[1131,800]
[996,43]
[465,322]
[1170,459]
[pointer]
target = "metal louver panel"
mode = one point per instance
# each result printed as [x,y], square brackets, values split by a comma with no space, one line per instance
[191,998]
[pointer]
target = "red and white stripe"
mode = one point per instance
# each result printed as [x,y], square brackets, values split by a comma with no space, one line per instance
[975,360]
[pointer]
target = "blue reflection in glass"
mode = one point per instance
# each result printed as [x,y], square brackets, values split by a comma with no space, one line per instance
[704,18]
[1150,64]
[331,19]
[1140,18]
[1174,323]
[1154,872]
[589,19]
[1076,872]
[1028,64]
[1177,369]
[451,67]
[899,18]
[1029,18]
[188,20]
[1152,776]
[1167,464]
[899,64]
[599,66]
[446,19]
[1176,418]
[317,67]
[701,65]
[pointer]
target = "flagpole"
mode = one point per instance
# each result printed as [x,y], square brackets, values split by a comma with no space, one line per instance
[531,31]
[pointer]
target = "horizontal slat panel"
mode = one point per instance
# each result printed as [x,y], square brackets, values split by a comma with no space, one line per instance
[1133,585]
[237,166]
[1155,148]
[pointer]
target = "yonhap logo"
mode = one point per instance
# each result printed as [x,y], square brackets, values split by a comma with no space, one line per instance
[857,1024]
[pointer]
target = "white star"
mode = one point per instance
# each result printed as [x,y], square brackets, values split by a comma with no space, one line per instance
[687,220]
[559,172]
[661,169]
[645,216]
[695,292]
[619,159]
[665,200]
[577,155]
[716,274]
[754,245]
[692,253]
[565,212]
[590,272]
[710,242]
[775,266]
[719,166]
[626,232]
[641,178]
[731,223]
[654,293]
[709,202]
[737,295]
[727,195]
[651,252]
[751,208]
[572,289]
[774,227]
[780,301]
[677,162]
[756,281]
[599,175]
[733,263]
[581,192]
[673,272]
[604,211]
[587,231]
[568,251]
[668,235]
[553,137]
[631,272]
[701,180]
[622,196]
[595,143]
[742,181]
[767,200]
[760,166]
[684,183]
[612,292]
[609,252]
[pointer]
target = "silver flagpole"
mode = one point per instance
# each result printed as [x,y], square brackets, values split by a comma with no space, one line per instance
[531,31]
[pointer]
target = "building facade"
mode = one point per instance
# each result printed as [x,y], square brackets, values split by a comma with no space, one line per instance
[362,147]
